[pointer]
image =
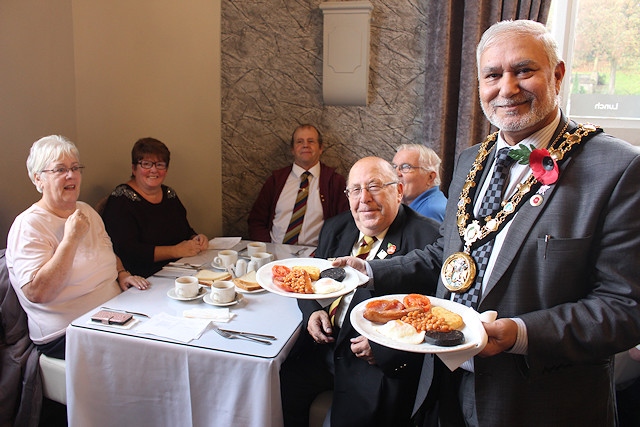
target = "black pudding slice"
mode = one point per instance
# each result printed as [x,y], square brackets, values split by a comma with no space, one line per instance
[444,339]
[338,274]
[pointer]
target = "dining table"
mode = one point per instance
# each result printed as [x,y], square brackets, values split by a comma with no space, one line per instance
[124,375]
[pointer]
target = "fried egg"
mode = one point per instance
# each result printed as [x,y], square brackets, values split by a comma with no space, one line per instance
[326,285]
[397,330]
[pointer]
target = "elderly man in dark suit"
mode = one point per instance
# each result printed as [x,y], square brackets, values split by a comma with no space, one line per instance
[372,385]
[562,268]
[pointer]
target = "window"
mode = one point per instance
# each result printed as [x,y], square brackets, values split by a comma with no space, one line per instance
[600,43]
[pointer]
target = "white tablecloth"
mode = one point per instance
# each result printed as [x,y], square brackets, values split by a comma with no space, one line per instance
[121,377]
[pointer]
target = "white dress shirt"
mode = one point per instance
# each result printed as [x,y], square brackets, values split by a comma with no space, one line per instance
[313,217]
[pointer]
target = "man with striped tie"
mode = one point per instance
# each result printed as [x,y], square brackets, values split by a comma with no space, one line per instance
[372,385]
[296,200]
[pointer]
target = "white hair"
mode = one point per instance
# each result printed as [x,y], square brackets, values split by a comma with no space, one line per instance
[427,158]
[521,27]
[46,150]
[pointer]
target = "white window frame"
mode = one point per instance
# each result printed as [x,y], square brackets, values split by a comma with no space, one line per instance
[565,12]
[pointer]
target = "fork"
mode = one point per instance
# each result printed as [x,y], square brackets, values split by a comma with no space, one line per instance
[298,252]
[229,335]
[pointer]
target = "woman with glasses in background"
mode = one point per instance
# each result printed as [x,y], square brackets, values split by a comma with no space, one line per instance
[145,218]
[60,259]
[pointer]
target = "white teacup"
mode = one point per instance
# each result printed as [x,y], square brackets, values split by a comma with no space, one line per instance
[223,291]
[254,247]
[186,286]
[261,258]
[226,258]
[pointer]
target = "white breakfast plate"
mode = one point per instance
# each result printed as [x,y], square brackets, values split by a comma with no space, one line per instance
[350,282]
[201,292]
[474,333]
[207,299]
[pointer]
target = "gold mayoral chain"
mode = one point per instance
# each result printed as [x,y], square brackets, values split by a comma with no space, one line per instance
[459,269]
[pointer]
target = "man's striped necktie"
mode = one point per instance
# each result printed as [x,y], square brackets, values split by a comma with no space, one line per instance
[299,209]
[363,252]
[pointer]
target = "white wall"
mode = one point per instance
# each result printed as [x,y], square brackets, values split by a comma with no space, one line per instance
[105,73]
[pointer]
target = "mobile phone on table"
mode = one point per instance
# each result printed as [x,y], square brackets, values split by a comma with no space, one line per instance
[108,317]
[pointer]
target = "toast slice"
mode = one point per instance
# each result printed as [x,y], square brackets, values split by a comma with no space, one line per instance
[248,282]
[207,277]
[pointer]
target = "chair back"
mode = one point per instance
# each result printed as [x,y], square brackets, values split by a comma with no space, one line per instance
[13,319]
[21,391]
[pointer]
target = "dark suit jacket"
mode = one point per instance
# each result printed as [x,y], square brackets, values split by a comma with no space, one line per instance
[577,290]
[370,395]
[332,198]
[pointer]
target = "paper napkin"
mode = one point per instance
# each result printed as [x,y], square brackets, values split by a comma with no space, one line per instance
[456,359]
[224,242]
[177,328]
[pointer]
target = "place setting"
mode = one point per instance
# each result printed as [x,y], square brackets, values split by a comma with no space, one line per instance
[223,294]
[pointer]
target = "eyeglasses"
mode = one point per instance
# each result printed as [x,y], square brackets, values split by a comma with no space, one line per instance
[146,164]
[373,188]
[62,170]
[406,167]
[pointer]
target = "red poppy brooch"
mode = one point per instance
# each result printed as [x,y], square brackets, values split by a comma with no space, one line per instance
[391,248]
[542,164]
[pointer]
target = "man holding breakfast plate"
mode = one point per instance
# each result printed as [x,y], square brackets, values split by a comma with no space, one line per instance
[372,384]
[561,267]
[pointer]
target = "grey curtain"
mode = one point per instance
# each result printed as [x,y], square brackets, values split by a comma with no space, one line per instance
[453,116]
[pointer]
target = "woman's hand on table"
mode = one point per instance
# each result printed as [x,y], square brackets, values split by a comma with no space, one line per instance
[202,241]
[187,248]
[126,280]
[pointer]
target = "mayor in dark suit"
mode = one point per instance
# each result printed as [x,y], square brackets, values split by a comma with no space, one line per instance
[563,270]
[372,385]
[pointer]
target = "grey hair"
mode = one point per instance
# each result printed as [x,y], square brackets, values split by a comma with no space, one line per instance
[46,150]
[427,157]
[521,27]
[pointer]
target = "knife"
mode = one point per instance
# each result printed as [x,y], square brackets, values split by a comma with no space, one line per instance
[125,311]
[268,337]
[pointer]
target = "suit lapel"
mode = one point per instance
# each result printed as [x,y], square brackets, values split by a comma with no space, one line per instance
[346,239]
[393,238]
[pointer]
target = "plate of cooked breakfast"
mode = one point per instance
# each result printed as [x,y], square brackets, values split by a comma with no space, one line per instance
[419,323]
[308,278]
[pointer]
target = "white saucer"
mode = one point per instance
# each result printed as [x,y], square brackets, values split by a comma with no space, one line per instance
[201,292]
[244,291]
[207,299]
[218,266]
